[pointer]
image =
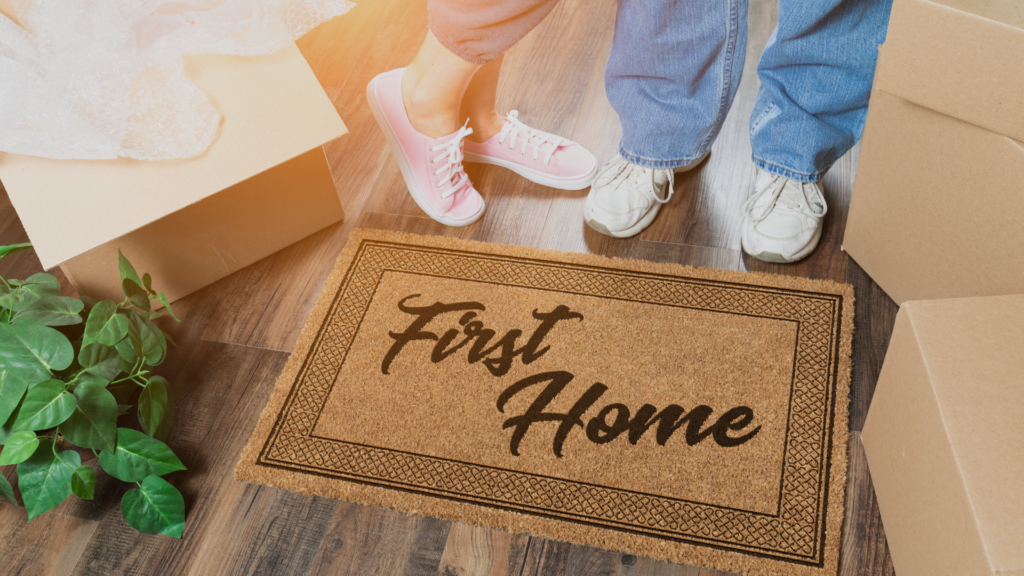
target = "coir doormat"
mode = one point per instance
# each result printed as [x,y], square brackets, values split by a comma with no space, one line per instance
[691,415]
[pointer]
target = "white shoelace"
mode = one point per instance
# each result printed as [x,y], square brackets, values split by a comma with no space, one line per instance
[453,167]
[541,141]
[804,204]
[639,176]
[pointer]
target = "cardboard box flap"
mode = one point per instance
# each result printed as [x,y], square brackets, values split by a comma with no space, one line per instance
[959,57]
[272,109]
[973,350]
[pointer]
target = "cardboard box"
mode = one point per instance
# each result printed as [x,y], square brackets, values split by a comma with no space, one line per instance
[938,200]
[944,438]
[262,185]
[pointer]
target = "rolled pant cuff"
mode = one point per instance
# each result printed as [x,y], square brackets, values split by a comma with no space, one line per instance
[787,172]
[649,163]
[453,47]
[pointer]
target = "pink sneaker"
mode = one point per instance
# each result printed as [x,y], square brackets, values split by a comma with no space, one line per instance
[537,156]
[432,168]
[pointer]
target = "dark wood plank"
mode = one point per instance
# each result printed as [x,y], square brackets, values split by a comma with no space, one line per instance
[864,547]
[261,530]
[48,546]
[636,249]
[478,551]
[545,557]
[585,560]
[370,540]
[873,321]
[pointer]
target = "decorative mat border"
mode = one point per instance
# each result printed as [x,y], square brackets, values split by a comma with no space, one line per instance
[803,533]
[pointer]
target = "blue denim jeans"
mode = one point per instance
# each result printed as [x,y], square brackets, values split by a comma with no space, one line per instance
[675,66]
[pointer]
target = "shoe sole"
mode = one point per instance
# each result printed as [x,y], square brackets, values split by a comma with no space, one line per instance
[628,232]
[562,184]
[776,258]
[403,165]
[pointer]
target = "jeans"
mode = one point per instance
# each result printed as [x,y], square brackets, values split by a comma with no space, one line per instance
[675,66]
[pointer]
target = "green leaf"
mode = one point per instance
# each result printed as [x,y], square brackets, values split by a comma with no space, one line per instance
[7,429]
[138,456]
[105,326]
[167,305]
[31,352]
[129,356]
[18,448]
[10,300]
[42,284]
[44,480]
[168,338]
[156,408]
[147,283]
[147,340]
[136,295]
[156,508]
[100,360]
[46,405]
[6,490]
[127,270]
[51,311]
[123,409]
[12,390]
[11,249]
[94,421]
[87,378]
[83,482]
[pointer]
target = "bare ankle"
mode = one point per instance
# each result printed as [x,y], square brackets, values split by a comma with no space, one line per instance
[485,125]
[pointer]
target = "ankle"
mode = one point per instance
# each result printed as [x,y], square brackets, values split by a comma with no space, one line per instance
[426,111]
[485,124]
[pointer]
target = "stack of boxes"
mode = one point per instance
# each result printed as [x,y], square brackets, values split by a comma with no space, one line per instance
[937,220]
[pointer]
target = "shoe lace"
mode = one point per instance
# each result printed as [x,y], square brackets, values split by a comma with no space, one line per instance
[454,174]
[540,141]
[645,181]
[809,203]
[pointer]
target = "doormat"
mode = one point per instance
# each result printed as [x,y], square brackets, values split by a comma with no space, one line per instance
[692,415]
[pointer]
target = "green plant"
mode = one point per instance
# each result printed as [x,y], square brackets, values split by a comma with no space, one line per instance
[71,370]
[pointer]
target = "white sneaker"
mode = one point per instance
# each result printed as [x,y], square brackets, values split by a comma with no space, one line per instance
[625,198]
[782,220]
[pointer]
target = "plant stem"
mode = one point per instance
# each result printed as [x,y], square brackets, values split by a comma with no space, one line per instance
[57,456]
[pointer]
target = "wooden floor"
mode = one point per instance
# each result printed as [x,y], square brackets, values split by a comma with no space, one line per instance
[236,334]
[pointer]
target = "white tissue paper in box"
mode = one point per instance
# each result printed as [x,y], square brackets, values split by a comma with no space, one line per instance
[101,79]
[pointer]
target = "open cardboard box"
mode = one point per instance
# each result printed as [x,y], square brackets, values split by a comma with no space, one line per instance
[944,438]
[939,197]
[262,185]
